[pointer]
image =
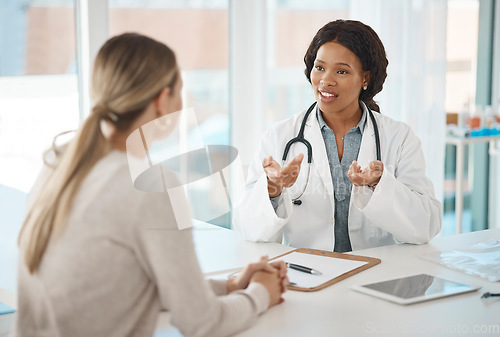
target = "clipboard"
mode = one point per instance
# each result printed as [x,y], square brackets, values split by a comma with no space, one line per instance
[370,262]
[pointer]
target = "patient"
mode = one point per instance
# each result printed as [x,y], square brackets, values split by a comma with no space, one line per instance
[100,258]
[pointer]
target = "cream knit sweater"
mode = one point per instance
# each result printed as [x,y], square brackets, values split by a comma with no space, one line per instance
[121,260]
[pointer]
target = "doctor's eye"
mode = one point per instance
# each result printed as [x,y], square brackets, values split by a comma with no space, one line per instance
[320,68]
[342,72]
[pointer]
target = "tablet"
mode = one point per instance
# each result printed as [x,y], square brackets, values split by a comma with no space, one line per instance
[413,289]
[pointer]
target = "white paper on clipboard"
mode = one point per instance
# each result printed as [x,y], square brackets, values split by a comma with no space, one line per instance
[330,268]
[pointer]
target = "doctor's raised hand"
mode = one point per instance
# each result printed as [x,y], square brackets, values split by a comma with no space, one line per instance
[278,177]
[365,184]
[369,176]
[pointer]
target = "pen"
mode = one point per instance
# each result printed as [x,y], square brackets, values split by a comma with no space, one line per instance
[486,295]
[302,268]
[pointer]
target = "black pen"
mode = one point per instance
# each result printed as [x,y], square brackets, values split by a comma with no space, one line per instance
[486,295]
[302,268]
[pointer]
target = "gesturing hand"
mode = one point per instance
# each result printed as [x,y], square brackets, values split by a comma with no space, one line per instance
[369,176]
[277,177]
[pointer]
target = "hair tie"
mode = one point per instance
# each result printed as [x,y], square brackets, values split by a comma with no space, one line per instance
[114,117]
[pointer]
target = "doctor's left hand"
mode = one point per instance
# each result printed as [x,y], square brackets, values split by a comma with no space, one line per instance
[369,176]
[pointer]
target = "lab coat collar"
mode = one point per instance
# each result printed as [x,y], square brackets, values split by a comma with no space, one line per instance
[361,124]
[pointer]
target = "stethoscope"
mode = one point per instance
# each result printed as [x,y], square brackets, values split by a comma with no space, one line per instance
[300,139]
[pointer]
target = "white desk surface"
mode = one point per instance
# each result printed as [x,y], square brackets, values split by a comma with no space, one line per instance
[221,250]
[340,311]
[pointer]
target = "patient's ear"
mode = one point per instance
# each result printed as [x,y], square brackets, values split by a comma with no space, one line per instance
[161,102]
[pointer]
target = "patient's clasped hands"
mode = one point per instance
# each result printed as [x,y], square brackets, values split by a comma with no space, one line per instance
[273,276]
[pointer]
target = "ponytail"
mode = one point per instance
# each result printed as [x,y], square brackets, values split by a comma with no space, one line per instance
[372,105]
[52,204]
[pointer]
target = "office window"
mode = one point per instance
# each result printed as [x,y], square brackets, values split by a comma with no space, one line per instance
[462,50]
[38,99]
[461,54]
[291,27]
[198,33]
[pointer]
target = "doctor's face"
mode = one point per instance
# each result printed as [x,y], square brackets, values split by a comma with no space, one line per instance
[337,79]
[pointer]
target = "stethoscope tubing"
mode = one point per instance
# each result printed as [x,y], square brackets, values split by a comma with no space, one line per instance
[301,139]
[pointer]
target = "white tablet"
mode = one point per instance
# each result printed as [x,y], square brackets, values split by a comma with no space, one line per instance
[413,289]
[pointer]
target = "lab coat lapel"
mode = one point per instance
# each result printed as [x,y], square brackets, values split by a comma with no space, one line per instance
[320,160]
[367,150]
[367,153]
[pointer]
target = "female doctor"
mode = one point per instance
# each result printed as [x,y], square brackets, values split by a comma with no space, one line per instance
[365,185]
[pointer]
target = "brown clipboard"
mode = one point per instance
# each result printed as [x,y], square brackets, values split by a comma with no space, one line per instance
[372,261]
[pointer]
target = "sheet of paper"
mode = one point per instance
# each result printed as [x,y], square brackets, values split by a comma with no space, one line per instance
[481,259]
[330,267]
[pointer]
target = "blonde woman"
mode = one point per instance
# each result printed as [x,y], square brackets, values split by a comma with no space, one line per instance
[89,264]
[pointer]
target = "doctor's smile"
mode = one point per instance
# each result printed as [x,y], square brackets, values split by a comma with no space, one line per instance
[327,97]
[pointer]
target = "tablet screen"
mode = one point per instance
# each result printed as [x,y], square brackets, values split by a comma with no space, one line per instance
[414,288]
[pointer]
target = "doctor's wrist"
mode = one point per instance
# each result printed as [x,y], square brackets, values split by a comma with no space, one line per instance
[271,196]
[273,190]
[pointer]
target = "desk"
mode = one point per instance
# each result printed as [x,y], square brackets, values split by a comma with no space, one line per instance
[339,311]
[221,250]
[460,143]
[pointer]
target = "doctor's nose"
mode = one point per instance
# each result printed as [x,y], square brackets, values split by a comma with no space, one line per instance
[327,82]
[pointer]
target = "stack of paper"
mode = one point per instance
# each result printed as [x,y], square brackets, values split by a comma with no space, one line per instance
[481,259]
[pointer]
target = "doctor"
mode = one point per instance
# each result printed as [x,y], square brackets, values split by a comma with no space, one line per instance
[365,185]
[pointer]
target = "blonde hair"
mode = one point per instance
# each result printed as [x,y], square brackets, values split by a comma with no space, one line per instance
[130,70]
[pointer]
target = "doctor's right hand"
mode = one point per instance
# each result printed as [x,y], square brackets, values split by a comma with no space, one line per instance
[279,178]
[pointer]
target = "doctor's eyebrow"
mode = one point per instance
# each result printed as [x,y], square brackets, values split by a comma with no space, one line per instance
[337,64]
[344,64]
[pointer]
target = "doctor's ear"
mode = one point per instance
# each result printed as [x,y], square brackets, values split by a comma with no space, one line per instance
[366,78]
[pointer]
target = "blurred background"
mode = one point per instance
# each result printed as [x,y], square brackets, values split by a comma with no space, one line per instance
[242,65]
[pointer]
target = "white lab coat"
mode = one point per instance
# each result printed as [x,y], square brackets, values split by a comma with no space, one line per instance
[401,209]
